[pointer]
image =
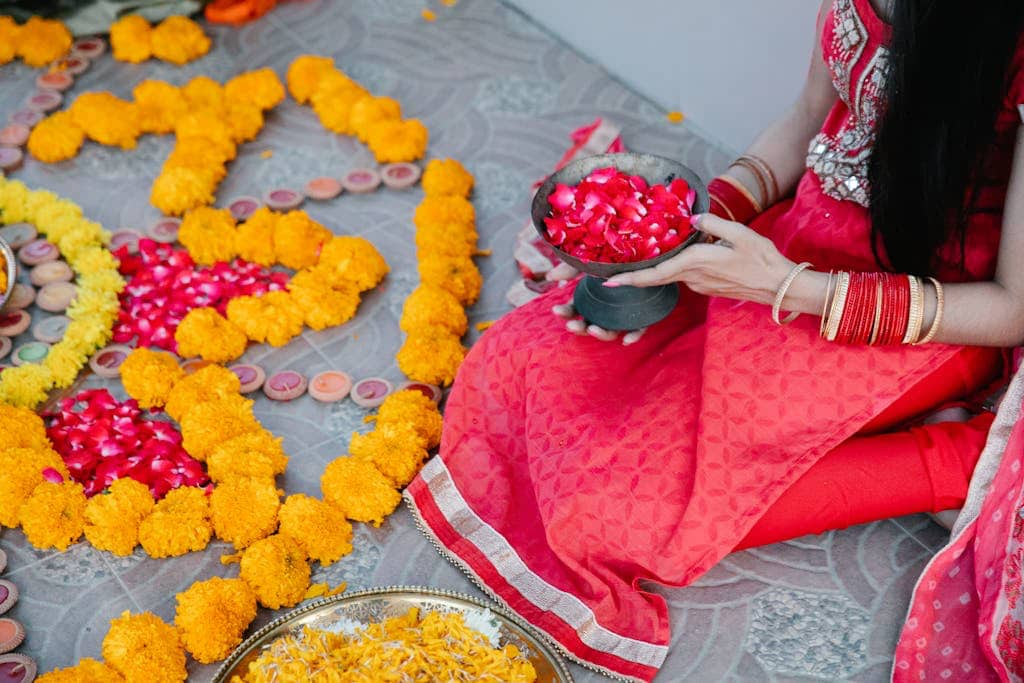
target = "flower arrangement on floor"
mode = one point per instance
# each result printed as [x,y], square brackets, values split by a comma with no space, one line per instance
[176,39]
[37,42]
[94,310]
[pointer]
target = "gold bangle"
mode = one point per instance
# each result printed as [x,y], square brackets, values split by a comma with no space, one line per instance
[835,314]
[939,305]
[878,314]
[824,308]
[916,312]
[755,171]
[742,190]
[780,295]
[753,158]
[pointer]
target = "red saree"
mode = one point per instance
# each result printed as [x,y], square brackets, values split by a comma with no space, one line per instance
[572,471]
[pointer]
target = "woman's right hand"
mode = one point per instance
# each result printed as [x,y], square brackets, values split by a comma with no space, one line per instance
[562,273]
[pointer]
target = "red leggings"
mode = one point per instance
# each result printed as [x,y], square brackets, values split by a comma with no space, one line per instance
[875,475]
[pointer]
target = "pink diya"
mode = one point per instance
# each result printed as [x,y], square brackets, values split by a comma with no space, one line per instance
[12,634]
[429,390]
[371,392]
[8,595]
[286,385]
[15,668]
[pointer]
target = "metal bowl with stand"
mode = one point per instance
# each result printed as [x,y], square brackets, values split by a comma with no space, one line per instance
[621,308]
[11,267]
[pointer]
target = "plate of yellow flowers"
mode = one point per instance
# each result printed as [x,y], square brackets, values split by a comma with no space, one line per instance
[395,634]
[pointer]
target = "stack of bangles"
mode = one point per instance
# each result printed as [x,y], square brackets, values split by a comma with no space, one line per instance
[878,309]
[732,201]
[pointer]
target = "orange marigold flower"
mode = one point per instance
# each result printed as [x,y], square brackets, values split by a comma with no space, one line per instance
[56,138]
[261,87]
[304,75]
[358,489]
[334,100]
[257,455]
[112,519]
[244,510]
[428,15]
[413,409]
[148,376]
[254,240]
[392,141]
[298,239]
[272,318]
[212,615]
[202,92]
[208,424]
[321,304]
[208,234]
[276,569]
[353,260]
[444,210]
[321,529]
[179,40]
[21,471]
[179,523]
[397,450]
[368,111]
[245,121]
[141,647]
[107,119]
[206,122]
[131,39]
[88,670]
[206,333]
[460,276]
[8,38]
[159,104]
[54,515]
[438,239]
[21,428]
[432,356]
[433,306]
[41,41]
[446,177]
[176,190]
[206,384]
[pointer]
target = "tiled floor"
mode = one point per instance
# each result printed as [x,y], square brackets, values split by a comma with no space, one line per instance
[500,94]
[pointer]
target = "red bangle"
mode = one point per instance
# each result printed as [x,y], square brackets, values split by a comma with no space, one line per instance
[848,323]
[896,309]
[736,207]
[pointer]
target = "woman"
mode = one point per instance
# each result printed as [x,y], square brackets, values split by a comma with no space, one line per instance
[572,469]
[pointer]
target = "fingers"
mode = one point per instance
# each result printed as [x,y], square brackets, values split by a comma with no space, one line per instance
[565,311]
[633,337]
[601,333]
[563,271]
[666,271]
[720,228]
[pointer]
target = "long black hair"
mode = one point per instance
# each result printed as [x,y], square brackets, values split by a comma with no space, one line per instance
[947,78]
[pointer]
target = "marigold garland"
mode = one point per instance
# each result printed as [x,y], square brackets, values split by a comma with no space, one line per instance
[37,42]
[176,39]
[207,334]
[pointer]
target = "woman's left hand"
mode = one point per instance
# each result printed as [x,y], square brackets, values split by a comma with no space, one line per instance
[739,264]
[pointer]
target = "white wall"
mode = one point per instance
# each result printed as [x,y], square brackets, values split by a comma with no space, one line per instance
[730,65]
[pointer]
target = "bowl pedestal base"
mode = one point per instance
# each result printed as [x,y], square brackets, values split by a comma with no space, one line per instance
[623,308]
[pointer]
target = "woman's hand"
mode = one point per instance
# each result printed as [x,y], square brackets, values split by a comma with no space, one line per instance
[564,272]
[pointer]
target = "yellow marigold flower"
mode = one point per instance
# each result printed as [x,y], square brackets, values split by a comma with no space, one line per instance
[333,103]
[131,39]
[257,455]
[202,161]
[179,523]
[176,190]
[354,260]
[179,40]
[244,510]
[276,569]
[212,615]
[392,141]
[21,471]
[433,306]
[261,88]
[321,304]
[141,647]
[160,105]
[21,428]
[56,138]
[304,75]
[107,119]
[446,177]
[245,121]
[88,670]
[321,529]
[358,489]
[8,38]
[415,410]
[202,92]
[206,384]
[205,122]
[444,210]
[208,234]
[396,450]
[272,318]
[454,239]
[206,333]
[26,385]
[54,515]
[41,41]
[368,111]
[148,376]
[113,518]
[431,356]
[254,240]
[460,276]
[428,15]
[298,239]
[211,423]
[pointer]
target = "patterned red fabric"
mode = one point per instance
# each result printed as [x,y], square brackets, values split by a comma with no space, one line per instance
[573,470]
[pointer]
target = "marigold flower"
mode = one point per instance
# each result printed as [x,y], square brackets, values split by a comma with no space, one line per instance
[393,141]
[358,489]
[56,138]
[368,111]
[206,384]
[431,356]
[202,92]
[433,306]
[244,510]
[21,471]
[445,210]
[261,88]
[107,119]
[446,177]
[159,106]
[353,260]
[205,161]
[148,376]
[141,647]
[254,240]
[179,40]
[88,670]
[53,516]
[298,239]
[272,318]
[208,234]
[321,304]
[413,409]
[131,39]
[304,75]
[41,41]
[333,102]
[321,529]
[212,615]
[276,569]
[207,122]
[176,190]
[460,276]
[257,455]
[21,428]
[208,424]
[206,333]
[179,523]
[397,450]
[245,121]
[455,239]
[8,38]
[112,519]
